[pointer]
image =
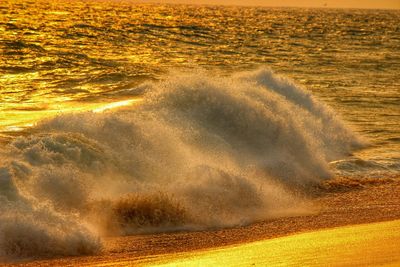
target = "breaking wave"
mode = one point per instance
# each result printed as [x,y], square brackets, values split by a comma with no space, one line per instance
[199,151]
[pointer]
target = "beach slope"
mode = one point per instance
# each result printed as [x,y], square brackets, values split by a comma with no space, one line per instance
[362,245]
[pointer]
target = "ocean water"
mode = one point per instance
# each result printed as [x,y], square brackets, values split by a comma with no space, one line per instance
[119,118]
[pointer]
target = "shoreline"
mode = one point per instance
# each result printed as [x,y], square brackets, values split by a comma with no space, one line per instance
[340,203]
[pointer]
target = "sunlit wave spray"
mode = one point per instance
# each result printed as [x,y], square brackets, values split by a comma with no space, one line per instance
[199,151]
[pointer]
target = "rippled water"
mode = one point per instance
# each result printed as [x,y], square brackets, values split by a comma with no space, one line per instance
[62,56]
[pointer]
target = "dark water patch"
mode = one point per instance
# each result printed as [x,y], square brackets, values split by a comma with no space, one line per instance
[71,54]
[28,108]
[105,62]
[197,35]
[375,131]
[11,52]
[11,26]
[390,115]
[31,32]
[23,45]
[71,82]
[85,26]
[109,77]
[79,35]
[71,91]
[16,69]
[393,139]
[50,64]
[190,41]
[394,101]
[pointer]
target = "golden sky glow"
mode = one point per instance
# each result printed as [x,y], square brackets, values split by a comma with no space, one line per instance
[392,4]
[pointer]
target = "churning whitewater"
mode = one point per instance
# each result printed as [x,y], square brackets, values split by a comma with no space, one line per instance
[198,151]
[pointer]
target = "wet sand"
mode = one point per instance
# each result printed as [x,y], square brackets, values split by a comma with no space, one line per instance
[361,245]
[338,203]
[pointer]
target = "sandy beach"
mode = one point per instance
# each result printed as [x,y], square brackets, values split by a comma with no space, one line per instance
[358,245]
[338,203]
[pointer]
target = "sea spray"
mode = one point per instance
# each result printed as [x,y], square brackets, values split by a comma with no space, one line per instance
[29,228]
[219,150]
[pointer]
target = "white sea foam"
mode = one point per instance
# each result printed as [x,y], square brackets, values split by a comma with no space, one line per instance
[223,149]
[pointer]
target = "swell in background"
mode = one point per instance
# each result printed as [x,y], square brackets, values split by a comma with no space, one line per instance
[62,57]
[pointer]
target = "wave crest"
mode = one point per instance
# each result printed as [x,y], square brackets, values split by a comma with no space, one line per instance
[225,149]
